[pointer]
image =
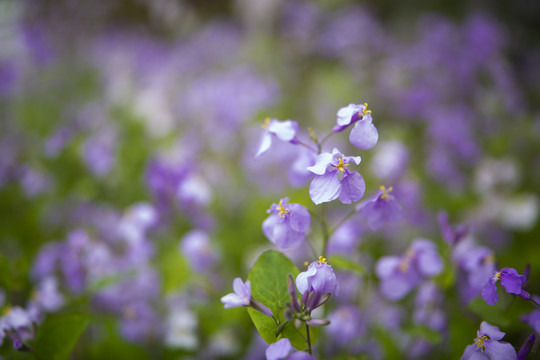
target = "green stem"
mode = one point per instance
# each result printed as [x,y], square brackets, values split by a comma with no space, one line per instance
[351,213]
[324,228]
[308,339]
[324,139]
[308,146]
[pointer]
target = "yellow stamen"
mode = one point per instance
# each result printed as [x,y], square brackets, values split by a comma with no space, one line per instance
[266,122]
[282,210]
[365,111]
[385,192]
[479,341]
[322,260]
[341,165]
[129,313]
[497,276]
[406,261]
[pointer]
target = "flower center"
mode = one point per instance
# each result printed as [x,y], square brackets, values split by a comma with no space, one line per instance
[479,341]
[365,111]
[266,123]
[385,192]
[497,276]
[282,210]
[406,261]
[322,260]
[341,166]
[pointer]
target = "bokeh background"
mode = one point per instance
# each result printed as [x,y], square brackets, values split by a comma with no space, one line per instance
[129,192]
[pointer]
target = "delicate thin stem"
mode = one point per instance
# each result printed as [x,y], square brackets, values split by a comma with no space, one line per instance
[308,146]
[324,228]
[342,221]
[534,302]
[312,247]
[308,339]
[325,138]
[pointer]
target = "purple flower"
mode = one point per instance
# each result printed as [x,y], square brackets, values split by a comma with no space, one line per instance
[510,280]
[399,274]
[283,130]
[242,297]
[380,209]
[287,224]
[197,248]
[488,347]
[282,349]
[319,278]
[533,318]
[364,135]
[334,180]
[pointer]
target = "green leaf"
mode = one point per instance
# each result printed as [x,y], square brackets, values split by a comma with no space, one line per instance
[425,332]
[58,335]
[269,286]
[342,263]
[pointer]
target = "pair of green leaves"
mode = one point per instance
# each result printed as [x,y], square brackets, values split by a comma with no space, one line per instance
[269,286]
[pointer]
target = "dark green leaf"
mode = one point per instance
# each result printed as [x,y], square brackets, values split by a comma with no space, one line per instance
[58,335]
[269,286]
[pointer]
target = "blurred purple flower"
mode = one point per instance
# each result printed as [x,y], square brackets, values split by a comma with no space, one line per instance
[399,274]
[334,180]
[283,130]
[381,209]
[488,347]
[287,224]
[197,249]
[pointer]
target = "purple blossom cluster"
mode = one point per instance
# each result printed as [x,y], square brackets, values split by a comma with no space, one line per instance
[135,175]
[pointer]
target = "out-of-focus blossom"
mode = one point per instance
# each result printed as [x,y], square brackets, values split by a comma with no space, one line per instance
[399,274]
[533,318]
[136,221]
[334,180]
[390,160]
[381,209]
[198,250]
[287,224]
[487,345]
[283,130]
[298,174]
[180,327]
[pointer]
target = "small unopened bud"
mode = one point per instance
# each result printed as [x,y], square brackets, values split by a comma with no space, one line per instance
[314,300]
[292,293]
[260,307]
[312,135]
[324,299]
[318,322]
[526,347]
[19,346]
[297,323]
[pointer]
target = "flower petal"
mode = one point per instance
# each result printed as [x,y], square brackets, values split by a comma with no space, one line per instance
[321,163]
[325,188]
[499,350]
[364,134]
[284,130]
[353,188]
[299,218]
[491,330]
[489,293]
[264,143]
